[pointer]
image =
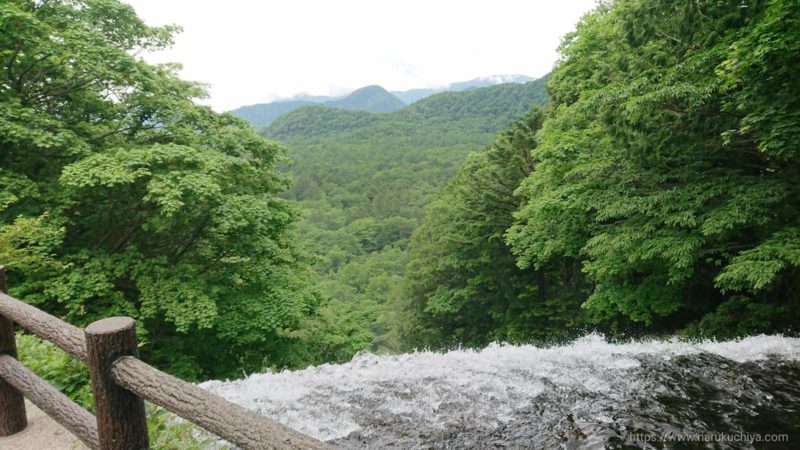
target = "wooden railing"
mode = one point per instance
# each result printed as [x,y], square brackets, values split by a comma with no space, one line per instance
[120,384]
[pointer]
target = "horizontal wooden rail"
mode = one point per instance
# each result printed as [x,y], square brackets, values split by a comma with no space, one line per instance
[70,338]
[230,421]
[79,421]
[120,382]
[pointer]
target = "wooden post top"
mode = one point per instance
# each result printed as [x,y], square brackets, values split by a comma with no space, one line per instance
[111,325]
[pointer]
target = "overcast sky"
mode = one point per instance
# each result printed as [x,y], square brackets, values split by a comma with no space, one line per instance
[252,51]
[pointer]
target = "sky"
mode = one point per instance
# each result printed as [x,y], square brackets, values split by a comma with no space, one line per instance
[251,51]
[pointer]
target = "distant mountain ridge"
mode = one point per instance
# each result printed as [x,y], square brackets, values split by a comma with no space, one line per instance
[369,98]
[487,110]
[413,95]
[264,113]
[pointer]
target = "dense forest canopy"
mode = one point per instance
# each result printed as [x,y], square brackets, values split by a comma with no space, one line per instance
[662,192]
[121,196]
[365,181]
[464,284]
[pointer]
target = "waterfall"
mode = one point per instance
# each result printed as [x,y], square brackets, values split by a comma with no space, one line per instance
[586,394]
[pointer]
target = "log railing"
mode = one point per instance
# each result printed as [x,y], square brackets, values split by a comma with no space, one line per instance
[120,384]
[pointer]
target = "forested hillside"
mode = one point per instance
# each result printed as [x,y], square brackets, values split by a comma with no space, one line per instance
[369,98]
[365,180]
[412,95]
[464,286]
[658,192]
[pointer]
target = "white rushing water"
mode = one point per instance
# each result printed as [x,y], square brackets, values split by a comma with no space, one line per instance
[481,387]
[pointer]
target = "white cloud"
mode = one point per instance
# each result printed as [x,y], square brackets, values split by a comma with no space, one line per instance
[254,51]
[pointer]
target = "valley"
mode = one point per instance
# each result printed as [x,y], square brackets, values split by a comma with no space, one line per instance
[365,181]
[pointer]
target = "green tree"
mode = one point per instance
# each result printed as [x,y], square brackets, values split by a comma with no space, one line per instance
[669,165]
[464,285]
[120,195]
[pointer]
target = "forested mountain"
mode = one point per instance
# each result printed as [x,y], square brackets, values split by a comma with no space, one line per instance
[476,111]
[369,98]
[365,180]
[413,95]
[658,192]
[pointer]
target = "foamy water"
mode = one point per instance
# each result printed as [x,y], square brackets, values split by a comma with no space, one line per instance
[425,397]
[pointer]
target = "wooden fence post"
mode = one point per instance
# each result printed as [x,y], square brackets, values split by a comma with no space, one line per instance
[12,404]
[121,421]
